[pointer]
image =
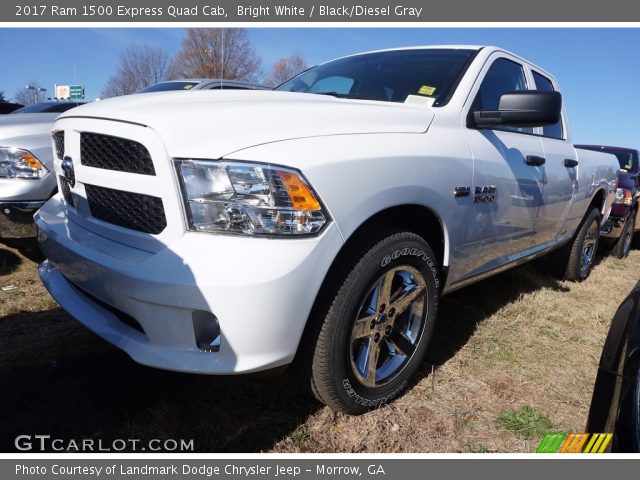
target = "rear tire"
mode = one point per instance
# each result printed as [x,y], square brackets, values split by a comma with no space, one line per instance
[375,330]
[623,244]
[575,260]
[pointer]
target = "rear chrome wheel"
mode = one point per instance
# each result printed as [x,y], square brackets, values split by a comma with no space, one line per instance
[575,260]
[589,246]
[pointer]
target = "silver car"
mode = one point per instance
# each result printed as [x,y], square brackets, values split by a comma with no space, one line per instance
[26,165]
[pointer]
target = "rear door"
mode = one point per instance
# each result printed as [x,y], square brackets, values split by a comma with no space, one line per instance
[559,176]
[507,190]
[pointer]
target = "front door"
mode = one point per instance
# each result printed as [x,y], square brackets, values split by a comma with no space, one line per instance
[507,186]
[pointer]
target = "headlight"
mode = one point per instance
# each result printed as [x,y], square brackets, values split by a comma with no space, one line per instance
[248,198]
[18,163]
[623,196]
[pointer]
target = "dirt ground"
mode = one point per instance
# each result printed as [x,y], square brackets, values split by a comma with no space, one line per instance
[513,356]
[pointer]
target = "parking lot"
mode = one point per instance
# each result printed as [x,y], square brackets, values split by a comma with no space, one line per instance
[512,355]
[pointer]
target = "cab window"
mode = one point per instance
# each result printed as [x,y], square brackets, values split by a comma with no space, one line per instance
[543,84]
[503,76]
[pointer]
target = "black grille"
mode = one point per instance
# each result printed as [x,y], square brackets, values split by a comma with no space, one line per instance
[58,140]
[130,210]
[115,153]
[66,191]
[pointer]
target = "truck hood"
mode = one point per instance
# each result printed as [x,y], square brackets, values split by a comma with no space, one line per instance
[214,123]
[19,127]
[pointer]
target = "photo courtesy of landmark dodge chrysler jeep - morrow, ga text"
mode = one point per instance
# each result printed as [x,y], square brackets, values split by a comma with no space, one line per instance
[225,232]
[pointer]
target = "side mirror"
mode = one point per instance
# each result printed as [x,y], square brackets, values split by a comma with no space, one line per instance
[525,108]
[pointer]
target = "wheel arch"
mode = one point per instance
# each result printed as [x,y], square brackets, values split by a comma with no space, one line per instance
[598,200]
[416,218]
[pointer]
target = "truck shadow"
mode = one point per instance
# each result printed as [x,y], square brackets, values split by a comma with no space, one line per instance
[61,380]
[9,261]
[27,248]
[461,311]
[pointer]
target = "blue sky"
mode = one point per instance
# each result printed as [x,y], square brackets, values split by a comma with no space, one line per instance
[598,69]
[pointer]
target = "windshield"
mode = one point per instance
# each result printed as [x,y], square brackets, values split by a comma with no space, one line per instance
[47,107]
[626,158]
[166,86]
[387,76]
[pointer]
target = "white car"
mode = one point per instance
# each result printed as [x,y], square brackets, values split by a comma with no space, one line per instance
[226,232]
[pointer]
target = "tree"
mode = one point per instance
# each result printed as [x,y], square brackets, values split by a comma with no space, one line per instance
[216,53]
[285,68]
[2,99]
[29,96]
[139,66]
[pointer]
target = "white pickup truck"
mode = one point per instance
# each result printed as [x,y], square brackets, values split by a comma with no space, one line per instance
[225,232]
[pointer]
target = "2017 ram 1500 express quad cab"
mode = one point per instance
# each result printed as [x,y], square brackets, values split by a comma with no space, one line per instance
[223,232]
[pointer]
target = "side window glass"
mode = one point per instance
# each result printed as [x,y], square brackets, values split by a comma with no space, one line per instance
[543,84]
[340,85]
[503,76]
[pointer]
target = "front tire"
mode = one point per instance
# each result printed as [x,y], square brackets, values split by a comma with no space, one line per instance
[378,325]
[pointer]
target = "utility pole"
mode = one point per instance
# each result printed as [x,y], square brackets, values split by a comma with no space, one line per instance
[36,90]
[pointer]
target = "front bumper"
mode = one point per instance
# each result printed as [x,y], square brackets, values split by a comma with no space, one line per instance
[16,219]
[260,290]
[18,204]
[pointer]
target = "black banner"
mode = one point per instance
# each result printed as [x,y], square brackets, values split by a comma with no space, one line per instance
[325,11]
[319,468]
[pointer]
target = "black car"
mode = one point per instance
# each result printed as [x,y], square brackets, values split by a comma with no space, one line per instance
[615,406]
[202,84]
[7,107]
[624,219]
[48,107]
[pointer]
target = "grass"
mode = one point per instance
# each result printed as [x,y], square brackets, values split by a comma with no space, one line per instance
[525,422]
[509,355]
[298,437]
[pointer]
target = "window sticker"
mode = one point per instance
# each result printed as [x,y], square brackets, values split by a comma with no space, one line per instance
[426,90]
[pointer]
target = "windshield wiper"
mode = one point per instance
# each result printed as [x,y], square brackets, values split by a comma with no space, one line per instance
[343,95]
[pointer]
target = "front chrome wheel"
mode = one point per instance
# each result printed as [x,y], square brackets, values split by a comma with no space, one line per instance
[388,326]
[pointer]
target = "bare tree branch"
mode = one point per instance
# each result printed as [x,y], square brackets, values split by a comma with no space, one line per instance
[285,68]
[139,67]
[216,53]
